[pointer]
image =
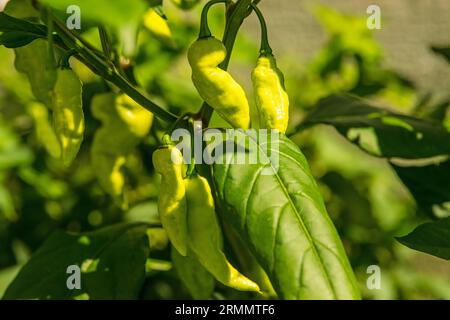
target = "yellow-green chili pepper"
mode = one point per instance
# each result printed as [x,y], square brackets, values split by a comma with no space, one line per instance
[216,86]
[137,119]
[205,237]
[124,124]
[272,100]
[158,26]
[68,117]
[172,207]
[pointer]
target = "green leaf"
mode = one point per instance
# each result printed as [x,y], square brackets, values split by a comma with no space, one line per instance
[33,61]
[8,24]
[21,9]
[432,238]
[278,209]
[18,31]
[16,39]
[444,51]
[199,282]
[429,185]
[123,16]
[381,132]
[112,262]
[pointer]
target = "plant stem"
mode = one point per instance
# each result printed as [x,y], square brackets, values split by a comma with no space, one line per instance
[205,32]
[106,46]
[101,67]
[265,46]
[140,97]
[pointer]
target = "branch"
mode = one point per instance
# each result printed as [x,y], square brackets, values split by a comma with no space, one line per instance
[101,67]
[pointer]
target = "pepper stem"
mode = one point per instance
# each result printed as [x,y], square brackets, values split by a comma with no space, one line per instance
[166,140]
[205,32]
[191,168]
[265,46]
[64,60]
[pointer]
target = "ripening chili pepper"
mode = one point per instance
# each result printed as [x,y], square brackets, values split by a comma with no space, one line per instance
[137,119]
[216,86]
[68,117]
[272,100]
[124,124]
[205,237]
[172,207]
[158,26]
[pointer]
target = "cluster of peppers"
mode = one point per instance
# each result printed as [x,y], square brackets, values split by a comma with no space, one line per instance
[186,205]
[187,213]
[218,88]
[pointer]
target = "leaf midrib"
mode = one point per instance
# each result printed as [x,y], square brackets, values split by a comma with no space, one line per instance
[302,224]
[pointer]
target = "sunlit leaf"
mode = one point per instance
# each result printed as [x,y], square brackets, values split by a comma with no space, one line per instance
[112,262]
[278,209]
[123,16]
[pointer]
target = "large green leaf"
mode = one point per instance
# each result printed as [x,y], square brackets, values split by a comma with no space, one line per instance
[279,210]
[381,132]
[112,262]
[429,185]
[432,238]
[123,16]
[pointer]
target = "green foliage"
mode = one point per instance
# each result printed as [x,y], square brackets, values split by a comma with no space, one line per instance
[112,261]
[429,185]
[121,16]
[432,238]
[197,279]
[18,33]
[283,230]
[379,131]
[279,210]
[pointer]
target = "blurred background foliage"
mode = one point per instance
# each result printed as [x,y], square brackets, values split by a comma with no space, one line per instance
[367,201]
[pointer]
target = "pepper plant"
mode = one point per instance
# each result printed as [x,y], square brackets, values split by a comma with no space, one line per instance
[223,228]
